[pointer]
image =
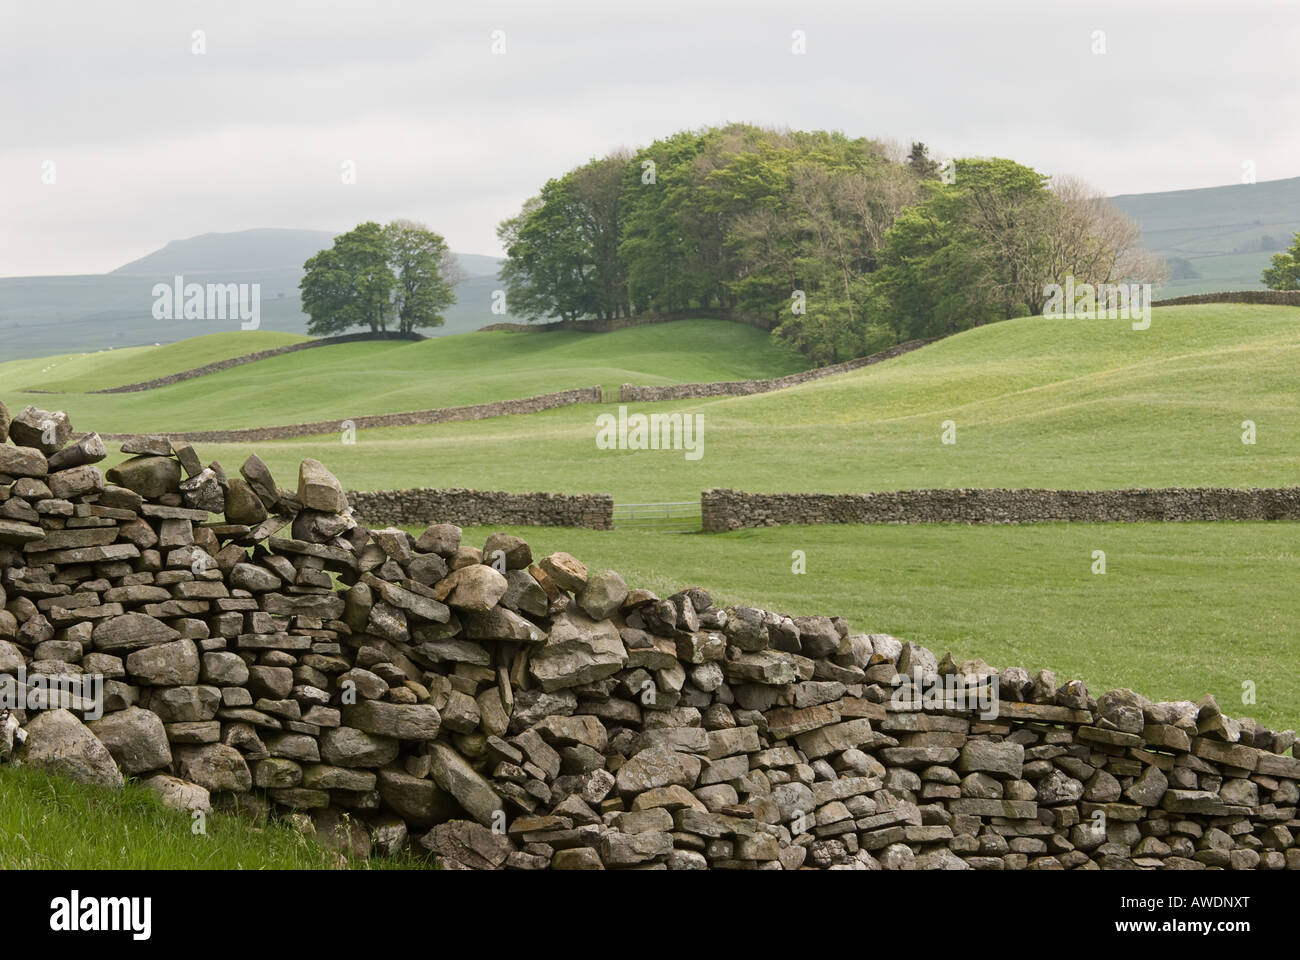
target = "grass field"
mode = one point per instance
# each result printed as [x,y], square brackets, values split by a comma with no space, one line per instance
[52,823]
[1036,403]
[83,372]
[1183,609]
[355,379]
[1215,272]
[1083,404]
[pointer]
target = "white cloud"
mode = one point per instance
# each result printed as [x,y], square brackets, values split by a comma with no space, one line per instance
[154,143]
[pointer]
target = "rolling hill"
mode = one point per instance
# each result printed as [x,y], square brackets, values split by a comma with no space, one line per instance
[261,249]
[83,372]
[1089,404]
[1036,402]
[1217,238]
[374,377]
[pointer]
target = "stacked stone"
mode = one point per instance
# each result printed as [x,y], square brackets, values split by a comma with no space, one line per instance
[263,652]
[483,508]
[634,393]
[744,739]
[723,510]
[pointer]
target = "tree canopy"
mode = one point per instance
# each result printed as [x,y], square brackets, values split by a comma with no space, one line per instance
[397,277]
[1284,273]
[838,245]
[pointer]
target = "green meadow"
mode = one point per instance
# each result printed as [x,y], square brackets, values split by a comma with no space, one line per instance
[385,376]
[82,372]
[1034,403]
[1182,609]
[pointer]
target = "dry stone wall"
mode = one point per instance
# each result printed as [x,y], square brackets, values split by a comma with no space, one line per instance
[1277,298]
[723,510]
[478,411]
[478,508]
[220,365]
[741,388]
[622,323]
[234,644]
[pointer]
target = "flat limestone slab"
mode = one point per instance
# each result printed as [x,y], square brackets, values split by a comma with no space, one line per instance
[1042,712]
[113,551]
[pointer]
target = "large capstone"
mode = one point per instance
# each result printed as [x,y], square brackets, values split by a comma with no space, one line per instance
[578,650]
[59,743]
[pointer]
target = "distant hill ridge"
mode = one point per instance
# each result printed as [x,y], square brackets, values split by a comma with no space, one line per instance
[264,248]
[1217,238]
[40,316]
[261,249]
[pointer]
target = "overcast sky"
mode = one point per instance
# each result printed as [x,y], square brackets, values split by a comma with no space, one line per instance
[152,142]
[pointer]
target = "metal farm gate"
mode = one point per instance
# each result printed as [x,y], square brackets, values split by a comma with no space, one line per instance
[678,515]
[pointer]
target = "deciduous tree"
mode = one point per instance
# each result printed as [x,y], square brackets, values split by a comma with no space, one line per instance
[1284,272]
[424,272]
[350,284]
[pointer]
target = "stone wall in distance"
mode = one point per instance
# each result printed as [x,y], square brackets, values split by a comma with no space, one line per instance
[479,508]
[724,510]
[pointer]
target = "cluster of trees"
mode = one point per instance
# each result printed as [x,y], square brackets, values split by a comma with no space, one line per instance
[840,245]
[986,246]
[396,277]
